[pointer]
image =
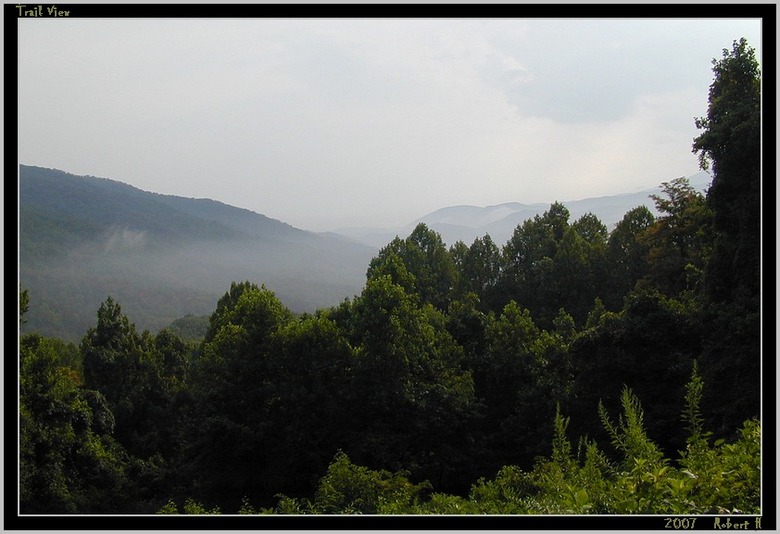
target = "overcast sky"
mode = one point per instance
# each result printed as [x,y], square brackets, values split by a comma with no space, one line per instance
[329,123]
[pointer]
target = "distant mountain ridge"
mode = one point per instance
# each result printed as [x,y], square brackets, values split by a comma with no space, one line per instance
[84,238]
[466,223]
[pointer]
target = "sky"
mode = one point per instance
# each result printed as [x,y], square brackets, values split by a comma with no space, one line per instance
[331,123]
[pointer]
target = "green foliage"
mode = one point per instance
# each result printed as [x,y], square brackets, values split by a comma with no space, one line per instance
[591,229]
[190,507]
[138,375]
[731,364]
[680,239]
[644,481]
[308,413]
[561,446]
[408,386]
[580,266]
[731,142]
[733,102]
[648,346]
[421,264]
[466,323]
[692,413]
[627,254]
[170,508]
[724,478]
[549,264]
[478,267]
[347,488]
[170,354]
[526,372]
[227,417]
[392,265]
[351,489]
[564,325]
[225,312]
[443,504]
[255,309]
[596,314]
[67,463]
[513,361]
[527,258]
[629,435]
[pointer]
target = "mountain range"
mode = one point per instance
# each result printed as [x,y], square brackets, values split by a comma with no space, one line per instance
[467,223]
[82,239]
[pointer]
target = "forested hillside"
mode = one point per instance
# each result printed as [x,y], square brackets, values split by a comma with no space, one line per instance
[162,256]
[569,370]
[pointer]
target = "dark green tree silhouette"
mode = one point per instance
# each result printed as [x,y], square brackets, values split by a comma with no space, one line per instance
[730,144]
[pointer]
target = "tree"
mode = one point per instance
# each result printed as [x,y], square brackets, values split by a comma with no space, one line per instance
[228,427]
[410,400]
[512,359]
[596,270]
[479,268]
[171,353]
[110,350]
[140,376]
[679,240]
[466,323]
[391,263]
[225,305]
[731,145]
[426,266]
[524,368]
[627,255]
[575,277]
[591,229]
[528,264]
[69,462]
[309,363]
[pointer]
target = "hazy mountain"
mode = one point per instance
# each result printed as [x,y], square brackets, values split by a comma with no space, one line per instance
[84,238]
[466,223]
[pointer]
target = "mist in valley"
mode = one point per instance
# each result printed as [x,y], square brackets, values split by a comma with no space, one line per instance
[158,281]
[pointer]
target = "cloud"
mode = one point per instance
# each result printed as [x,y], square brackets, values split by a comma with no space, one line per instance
[328,122]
